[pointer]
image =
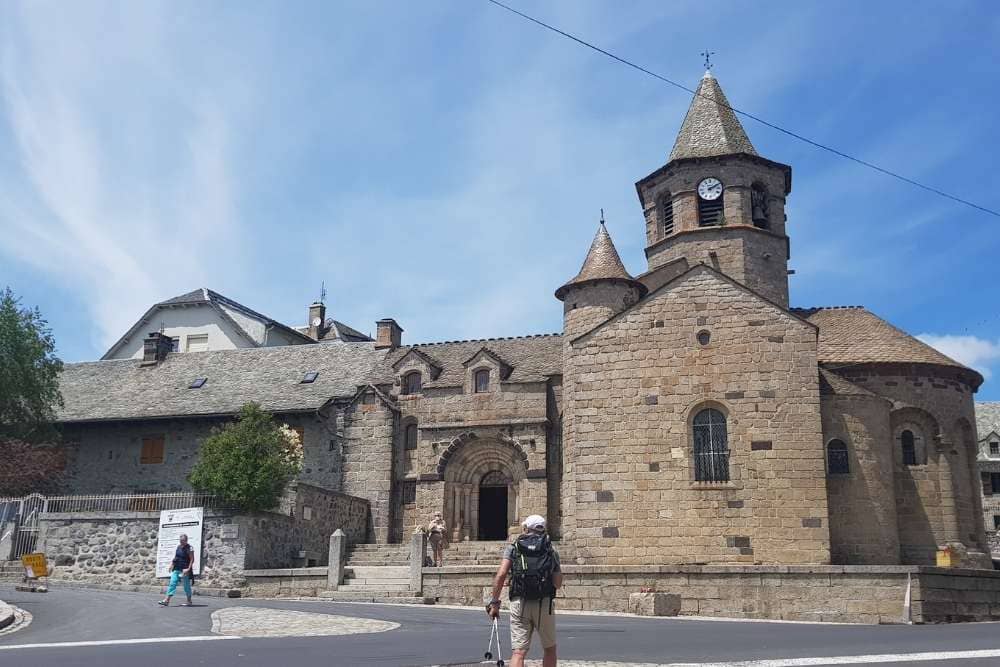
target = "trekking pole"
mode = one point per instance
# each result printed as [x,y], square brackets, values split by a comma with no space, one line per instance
[489,647]
[496,623]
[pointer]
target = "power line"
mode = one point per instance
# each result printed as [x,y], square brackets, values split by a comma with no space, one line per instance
[746,114]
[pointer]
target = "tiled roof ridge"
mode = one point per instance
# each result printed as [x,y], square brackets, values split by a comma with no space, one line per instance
[483,340]
[815,308]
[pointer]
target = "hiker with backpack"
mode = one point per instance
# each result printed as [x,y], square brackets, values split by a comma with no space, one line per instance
[535,576]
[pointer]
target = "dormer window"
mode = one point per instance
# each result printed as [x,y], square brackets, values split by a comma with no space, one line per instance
[995,449]
[309,377]
[412,383]
[198,383]
[482,380]
[667,214]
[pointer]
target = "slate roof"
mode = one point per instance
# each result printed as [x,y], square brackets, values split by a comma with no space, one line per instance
[203,295]
[271,376]
[336,330]
[532,358]
[602,263]
[710,127]
[987,418]
[831,384]
[854,335]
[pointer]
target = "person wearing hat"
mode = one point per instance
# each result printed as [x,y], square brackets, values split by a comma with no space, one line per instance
[437,529]
[535,576]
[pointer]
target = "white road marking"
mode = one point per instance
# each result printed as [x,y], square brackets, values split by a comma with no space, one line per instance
[114,642]
[790,662]
[844,659]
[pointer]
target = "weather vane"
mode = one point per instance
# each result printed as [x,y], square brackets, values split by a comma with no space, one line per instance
[708,58]
[322,292]
[602,216]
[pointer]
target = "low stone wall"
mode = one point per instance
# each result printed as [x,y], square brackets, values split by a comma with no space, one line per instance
[119,548]
[844,594]
[285,582]
[327,511]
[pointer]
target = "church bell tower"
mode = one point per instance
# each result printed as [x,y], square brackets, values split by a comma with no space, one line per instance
[718,202]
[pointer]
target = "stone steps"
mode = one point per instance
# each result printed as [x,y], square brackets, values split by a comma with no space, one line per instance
[367,572]
[374,586]
[384,596]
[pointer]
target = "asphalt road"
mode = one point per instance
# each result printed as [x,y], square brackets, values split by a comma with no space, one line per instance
[438,636]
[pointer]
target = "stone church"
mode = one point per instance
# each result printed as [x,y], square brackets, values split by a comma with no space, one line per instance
[685,415]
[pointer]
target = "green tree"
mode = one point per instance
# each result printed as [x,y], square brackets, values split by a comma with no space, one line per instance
[29,372]
[248,461]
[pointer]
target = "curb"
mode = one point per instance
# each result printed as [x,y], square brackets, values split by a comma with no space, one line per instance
[6,614]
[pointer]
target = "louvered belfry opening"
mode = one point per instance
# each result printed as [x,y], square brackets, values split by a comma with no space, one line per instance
[667,214]
[709,212]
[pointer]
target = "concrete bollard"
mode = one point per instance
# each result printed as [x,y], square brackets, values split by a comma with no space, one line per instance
[335,566]
[418,551]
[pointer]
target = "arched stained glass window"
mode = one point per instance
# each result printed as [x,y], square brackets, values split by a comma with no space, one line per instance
[711,447]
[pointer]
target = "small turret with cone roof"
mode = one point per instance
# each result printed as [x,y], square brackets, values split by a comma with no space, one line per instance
[602,288]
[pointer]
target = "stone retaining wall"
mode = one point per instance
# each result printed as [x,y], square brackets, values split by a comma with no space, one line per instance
[119,548]
[845,594]
[285,582]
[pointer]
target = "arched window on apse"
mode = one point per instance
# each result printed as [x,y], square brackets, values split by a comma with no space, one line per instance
[711,446]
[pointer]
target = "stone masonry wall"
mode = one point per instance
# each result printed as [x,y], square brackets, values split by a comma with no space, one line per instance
[105,457]
[632,388]
[368,446]
[938,500]
[756,258]
[119,548]
[863,528]
[841,594]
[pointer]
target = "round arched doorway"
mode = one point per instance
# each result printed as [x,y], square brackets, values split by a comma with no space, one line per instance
[482,481]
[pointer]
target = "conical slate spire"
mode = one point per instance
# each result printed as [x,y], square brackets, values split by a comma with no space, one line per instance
[602,263]
[710,126]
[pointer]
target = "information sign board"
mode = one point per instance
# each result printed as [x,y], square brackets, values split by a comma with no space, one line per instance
[172,523]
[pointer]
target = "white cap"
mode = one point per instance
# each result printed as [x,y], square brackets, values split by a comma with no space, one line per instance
[535,523]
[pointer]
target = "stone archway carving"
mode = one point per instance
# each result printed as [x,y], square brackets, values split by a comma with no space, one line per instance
[469,462]
[469,436]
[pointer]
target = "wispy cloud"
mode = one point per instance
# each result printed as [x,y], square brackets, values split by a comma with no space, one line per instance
[979,353]
[109,186]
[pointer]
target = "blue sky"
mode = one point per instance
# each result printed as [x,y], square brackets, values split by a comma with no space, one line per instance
[443,162]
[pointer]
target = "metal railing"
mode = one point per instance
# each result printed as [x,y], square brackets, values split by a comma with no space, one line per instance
[19,517]
[134,502]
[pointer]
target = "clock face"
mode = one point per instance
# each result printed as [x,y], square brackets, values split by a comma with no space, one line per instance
[710,188]
[316,322]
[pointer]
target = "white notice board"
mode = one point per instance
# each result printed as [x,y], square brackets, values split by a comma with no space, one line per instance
[172,524]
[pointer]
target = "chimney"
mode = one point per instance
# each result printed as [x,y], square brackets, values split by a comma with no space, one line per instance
[155,348]
[317,318]
[390,334]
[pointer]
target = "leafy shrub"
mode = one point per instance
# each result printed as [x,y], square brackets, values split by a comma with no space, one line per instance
[250,461]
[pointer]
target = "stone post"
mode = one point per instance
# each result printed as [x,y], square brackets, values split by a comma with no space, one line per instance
[418,550]
[335,566]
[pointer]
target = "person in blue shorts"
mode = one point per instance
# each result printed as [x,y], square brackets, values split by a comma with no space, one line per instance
[181,569]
